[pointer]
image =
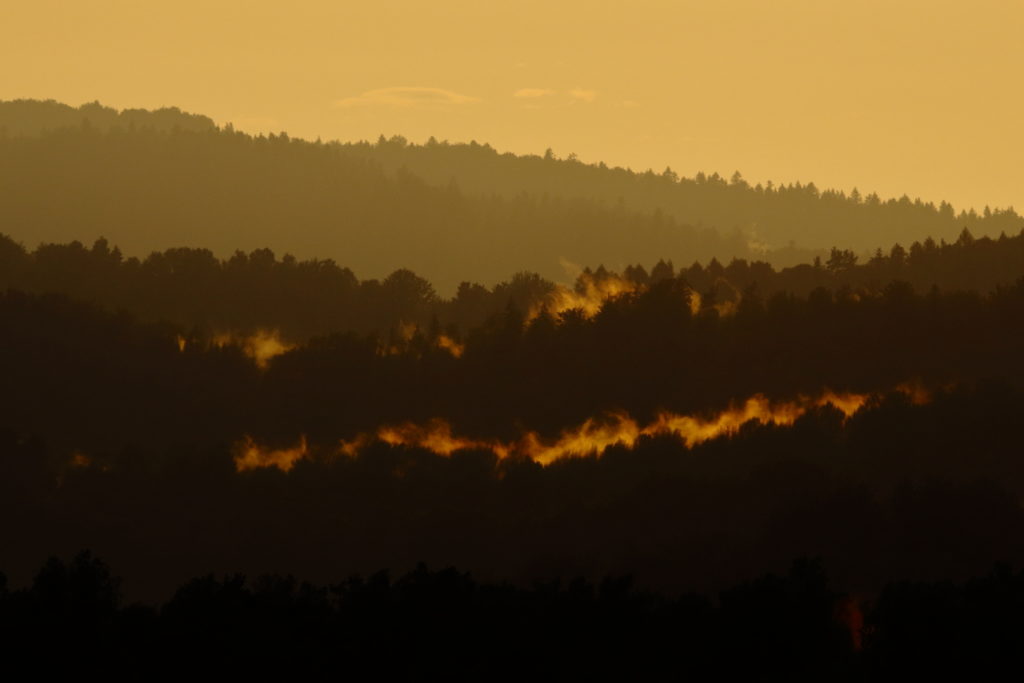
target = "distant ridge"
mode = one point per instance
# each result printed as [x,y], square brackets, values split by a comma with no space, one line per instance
[152,180]
[775,217]
[34,117]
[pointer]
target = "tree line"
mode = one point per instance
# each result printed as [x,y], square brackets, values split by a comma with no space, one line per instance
[429,623]
[649,351]
[793,219]
[302,299]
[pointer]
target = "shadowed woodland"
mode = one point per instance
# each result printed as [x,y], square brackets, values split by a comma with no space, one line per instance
[307,298]
[425,623]
[145,417]
[206,411]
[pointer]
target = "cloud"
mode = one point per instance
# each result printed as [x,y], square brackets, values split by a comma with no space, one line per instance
[583,95]
[406,97]
[530,93]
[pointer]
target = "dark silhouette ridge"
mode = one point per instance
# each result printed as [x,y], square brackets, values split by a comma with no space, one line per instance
[122,435]
[425,624]
[303,299]
[430,623]
[898,490]
[86,366]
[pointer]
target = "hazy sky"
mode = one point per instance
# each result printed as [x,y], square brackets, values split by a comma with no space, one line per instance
[921,97]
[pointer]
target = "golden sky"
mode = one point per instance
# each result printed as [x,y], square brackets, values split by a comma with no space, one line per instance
[896,96]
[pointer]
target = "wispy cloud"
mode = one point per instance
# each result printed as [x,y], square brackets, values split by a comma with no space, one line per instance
[583,95]
[532,93]
[406,97]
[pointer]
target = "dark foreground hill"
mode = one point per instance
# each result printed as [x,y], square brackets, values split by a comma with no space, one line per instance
[127,438]
[426,625]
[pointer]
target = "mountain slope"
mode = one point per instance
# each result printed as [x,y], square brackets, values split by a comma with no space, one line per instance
[772,215]
[146,189]
[452,213]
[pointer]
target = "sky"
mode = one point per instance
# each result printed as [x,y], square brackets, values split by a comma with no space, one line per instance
[923,98]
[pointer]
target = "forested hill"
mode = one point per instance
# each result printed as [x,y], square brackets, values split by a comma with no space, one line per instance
[156,180]
[771,215]
[305,298]
[146,189]
[32,117]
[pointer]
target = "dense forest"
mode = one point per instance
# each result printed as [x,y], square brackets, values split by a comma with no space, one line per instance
[104,407]
[428,624]
[228,356]
[300,299]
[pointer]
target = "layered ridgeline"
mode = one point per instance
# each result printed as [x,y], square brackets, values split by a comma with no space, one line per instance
[154,180]
[662,437]
[147,187]
[34,118]
[299,299]
[786,223]
[314,352]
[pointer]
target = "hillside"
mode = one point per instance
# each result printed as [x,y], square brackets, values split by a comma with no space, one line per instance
[772,216]
[32,117]
[148,189]
[304,298]
[156,180]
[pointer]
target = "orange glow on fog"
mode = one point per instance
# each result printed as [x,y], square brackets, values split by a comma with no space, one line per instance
[450,345]
[407,332]
[592,437]
[250,456]
[261,346]
[589,295]
[435,436]
[917,394]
